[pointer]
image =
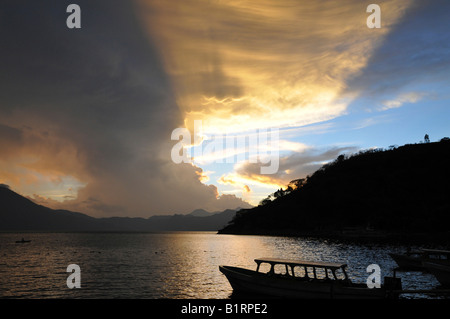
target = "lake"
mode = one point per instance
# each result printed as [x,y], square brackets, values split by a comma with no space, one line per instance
[172,265]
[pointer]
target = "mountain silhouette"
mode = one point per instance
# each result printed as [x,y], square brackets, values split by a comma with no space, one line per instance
[402,190]
[18,213]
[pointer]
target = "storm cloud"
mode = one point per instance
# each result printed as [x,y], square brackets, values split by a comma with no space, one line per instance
[86,115]
[257,64]
[93,104]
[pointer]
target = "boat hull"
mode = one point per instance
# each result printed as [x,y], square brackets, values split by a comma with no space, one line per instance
[408,262]
[250,282]
[441,271]
[416,260]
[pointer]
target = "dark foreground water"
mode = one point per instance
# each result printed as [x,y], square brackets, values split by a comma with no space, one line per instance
[178,265]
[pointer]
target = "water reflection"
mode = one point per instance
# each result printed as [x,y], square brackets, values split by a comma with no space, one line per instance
[168,265]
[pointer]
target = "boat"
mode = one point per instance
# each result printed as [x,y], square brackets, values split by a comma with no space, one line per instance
[22,241]
[413,260]
[304,279]
[440,270]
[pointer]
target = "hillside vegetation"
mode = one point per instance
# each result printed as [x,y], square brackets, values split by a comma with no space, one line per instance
[400,190]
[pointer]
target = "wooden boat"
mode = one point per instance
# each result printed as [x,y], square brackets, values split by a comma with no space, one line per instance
[302,279]
[440,270]
[413,260]
[22,241]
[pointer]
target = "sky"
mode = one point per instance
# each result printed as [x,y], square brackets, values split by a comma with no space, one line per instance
[95,119]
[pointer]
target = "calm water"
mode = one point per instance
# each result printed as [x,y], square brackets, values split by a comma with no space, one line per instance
[179,265]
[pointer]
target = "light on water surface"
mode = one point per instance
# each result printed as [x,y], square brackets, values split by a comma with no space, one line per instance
[173,265]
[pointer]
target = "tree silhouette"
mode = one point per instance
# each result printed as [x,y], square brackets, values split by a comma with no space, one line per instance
[372,187]
[265,201]
[427,138]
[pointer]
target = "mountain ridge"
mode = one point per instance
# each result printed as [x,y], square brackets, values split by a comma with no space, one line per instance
[402,190]
[18,213]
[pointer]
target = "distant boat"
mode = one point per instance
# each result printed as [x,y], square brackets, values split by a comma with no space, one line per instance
[413,260]
[440,270]
[301,280]
[22,241]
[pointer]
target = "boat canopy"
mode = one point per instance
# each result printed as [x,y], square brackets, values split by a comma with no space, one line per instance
[302,263]
[293,263]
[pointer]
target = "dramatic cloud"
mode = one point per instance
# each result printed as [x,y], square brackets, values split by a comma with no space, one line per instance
[93,106]
[86,115]
[240,65]
[292,166]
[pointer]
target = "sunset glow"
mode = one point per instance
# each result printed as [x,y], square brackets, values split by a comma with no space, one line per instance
[86,123]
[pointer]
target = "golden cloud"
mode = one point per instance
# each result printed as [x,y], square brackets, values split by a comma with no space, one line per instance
[240,65]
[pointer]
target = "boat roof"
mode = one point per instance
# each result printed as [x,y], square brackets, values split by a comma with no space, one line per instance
[301,263]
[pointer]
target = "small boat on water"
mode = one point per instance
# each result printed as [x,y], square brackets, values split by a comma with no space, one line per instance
[440,270]
[414,260]
[304,279]
[22,241]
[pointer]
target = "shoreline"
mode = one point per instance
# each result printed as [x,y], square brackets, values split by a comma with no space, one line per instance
[355,237]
